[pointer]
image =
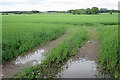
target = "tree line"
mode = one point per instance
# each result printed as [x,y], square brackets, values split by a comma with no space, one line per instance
[21,12]
[93,10]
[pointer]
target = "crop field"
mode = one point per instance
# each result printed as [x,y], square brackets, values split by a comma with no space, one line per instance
[22,33]
[109,56]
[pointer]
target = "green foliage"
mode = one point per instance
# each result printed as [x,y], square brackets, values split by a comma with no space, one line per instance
[30,72]
[88,11]
[70,11]
[20,36]
[110,55]
[17,12]
[34,11]
[80,11]
[94,10]
[26,12]
[5,13]
[110,12]
[24,32]
[67,48]
[73,12]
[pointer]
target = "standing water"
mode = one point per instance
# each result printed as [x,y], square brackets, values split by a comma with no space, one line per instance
[21,62]
[35,57]
[81,68]
[84,65]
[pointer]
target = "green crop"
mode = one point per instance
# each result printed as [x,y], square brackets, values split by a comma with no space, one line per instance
[67,48]
[109,57]
[21,33]
[21,36]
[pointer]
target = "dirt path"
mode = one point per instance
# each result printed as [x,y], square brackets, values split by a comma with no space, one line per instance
[83,65]
[91,49]
[15,66]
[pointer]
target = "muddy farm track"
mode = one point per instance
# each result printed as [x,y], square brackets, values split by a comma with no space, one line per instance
[15,66]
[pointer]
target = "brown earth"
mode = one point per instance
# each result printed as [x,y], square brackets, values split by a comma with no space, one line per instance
[91,49]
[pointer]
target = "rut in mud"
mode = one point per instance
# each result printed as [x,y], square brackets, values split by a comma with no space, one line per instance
[84,65]
[91,49]
[31,58]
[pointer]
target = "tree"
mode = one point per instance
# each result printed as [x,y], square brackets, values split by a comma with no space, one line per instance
[88,11]
[34,11]
[110,12]
[6,13]
[94,10]
[3,14]
[74,12]
[82,11]
[77,11]
[17,12]
[70,11]
[29,12]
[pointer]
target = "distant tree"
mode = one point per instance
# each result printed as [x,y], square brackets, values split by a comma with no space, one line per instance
[82,11]
[3,14]
[74,12]
[70,11]
[88,11]
[29,12]
[77,11]
[17,12]
[110,12]
[63,11]
[34,11]
[94,10]
[53,11]
[6,13]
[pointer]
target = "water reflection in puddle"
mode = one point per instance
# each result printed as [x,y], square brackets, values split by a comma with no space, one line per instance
[81,68]
[34,57]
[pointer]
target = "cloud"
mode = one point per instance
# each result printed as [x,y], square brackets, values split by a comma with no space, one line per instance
[45,5]
[13,1]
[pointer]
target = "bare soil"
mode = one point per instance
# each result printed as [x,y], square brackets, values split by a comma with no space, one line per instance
[91,49]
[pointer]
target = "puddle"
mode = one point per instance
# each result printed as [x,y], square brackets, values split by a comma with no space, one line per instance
[34,57]
[21,62]
[81,68]
[84,65]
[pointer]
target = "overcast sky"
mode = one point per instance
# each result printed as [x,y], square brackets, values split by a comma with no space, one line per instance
[60,5]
